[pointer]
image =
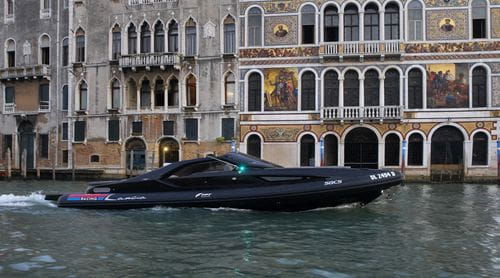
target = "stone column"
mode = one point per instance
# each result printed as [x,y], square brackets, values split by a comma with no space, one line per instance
[361,26]
[381,25]
[152,98]
[138,99]
[165,98]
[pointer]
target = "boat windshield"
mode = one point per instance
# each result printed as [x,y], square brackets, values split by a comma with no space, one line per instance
[247,161]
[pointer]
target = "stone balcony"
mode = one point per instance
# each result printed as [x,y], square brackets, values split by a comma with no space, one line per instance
[148,60]
[367,113]
[25,72]
[361,48]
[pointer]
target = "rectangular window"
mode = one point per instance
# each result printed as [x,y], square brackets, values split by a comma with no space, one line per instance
[64,132]
[80,127]
[44,96]
[136,128]
[10,95]
[80,48]
[65,156]
[65,98]
[44,145]
[45,4]
[7,145]
[191,41]
[114,130]
[168,128]
[65,53]
[117,45]
[191,129]
[45,55]
[228,128]
[11,59]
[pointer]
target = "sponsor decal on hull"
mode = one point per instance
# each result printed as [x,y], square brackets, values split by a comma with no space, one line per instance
[87,197]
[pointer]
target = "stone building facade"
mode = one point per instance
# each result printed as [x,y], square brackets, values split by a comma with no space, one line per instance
[410,85]
[124,86]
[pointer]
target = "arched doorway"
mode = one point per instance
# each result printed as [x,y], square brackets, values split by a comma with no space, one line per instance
[169,151]
[331,150]
[361,149]
[26,143]
[447,154]
[307,150]
[254,146]
[136,155]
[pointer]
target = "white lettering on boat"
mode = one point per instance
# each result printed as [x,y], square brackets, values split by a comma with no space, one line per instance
[203,195]
[384,175]
[333,182]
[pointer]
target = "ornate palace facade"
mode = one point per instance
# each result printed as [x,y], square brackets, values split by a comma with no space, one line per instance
[124,86]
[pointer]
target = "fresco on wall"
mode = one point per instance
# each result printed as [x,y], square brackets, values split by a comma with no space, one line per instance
[447,24]
[281,30]
[447,86]
[280,89]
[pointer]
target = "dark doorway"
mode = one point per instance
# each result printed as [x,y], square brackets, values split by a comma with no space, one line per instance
[447,154]
[361,149]
[169,151]
[136,155]
[307,148]
[331,150]
[26,143]
[254,146]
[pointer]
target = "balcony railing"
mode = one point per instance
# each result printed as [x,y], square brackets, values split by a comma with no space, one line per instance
[362,113]
[25,72]
[149,60]
[9,108]
[361,48]
[141,2]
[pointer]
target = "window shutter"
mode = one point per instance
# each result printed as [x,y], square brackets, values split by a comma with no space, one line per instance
[137,128]
[191,129]
[79,131]
[44,145]
[113,130]
[168,128]
[228,128]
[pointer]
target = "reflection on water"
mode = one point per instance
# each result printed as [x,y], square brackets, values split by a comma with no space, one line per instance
[423,230]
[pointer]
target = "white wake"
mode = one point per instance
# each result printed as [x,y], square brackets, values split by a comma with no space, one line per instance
[35,198]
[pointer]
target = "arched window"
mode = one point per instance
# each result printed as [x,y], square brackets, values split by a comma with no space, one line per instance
[479,16]
[351,23]
[83,96]
[307,150]
[416,150]
[116,48]
[132,94]
[479,87]
[480,149]
[80,46]
[372,26]
[229,89]
[145,38]
[145,100]
[65,52]
[391,87]
[415,21]
[254,146]
[45,50]
[159,93]
[132,39]
[173,37]
[372,88]
[159,37]
[191,90]
[11,53]
[191,43]
[391,21]
[308,21]
[351,88]
[115,95]
[331,24]
[254,92]
[415,89]
[173,92]
[254,27]
[308,91]
[229,35]
[331,89]
[392,150]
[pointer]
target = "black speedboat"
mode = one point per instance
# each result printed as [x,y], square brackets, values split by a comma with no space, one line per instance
[239,181]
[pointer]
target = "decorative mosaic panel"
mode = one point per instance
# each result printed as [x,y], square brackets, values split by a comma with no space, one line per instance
[443,3]
[495,89]
[495,67]
[447,25]
[451,47]
[279,52]
[495,22]
[280,133]
[281,30]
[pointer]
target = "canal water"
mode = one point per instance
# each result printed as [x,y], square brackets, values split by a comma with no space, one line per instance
[440,230]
